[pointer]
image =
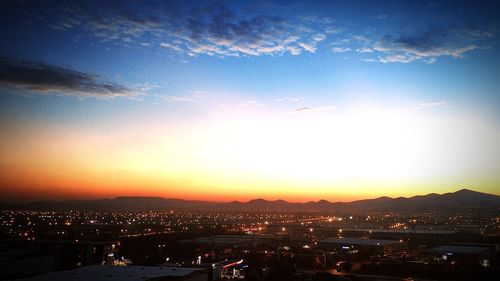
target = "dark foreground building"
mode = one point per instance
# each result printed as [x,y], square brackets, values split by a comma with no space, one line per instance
[121,273]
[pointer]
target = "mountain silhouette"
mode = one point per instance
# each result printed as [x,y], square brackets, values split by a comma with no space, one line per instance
[463,199]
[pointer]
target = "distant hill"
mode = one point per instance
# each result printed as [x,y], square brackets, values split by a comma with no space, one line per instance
[459,200]
[462,200]
[119,204]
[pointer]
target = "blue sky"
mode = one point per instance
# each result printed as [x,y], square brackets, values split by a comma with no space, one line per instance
[88,67]
[321,48]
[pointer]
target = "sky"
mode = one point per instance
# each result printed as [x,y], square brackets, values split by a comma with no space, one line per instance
[236,100]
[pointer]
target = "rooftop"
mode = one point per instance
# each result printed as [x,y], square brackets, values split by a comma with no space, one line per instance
[118,273]
[224,239]
[416,231]
[453,249]
[16,255]
[359,241]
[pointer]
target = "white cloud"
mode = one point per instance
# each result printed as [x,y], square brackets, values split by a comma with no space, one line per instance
[192,96]
[211,29]
[171,46]
[308,47]
[294,50]
[431,60]
[364,50]
[250,103]
[397,58]
[194,28]
[333,30]
[291,99]
[432,104]
[340,49]
[319,37]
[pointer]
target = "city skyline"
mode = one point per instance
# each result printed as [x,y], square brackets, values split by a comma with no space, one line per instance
[223,101]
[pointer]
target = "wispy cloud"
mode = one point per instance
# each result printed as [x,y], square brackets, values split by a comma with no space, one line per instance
[316,19]
[315,109]
[429,45]
[250,103]
[290,99]
[303,109]
[112,22]
[340,49]
[171,46]
[431,60]
[319,37]
[403,58]
[222,29]
[192,96]
[194,28]
[431,104]
[363,50]
[333,30]
[310,47]
[41,78]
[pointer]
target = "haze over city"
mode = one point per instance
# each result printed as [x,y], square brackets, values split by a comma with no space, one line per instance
[237,100]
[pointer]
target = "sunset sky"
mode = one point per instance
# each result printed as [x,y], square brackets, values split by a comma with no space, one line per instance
[235,100]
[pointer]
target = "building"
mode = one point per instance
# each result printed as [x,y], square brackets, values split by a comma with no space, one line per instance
[377,233]
[234,241]
[362,247]
[68,254]
[300,231]
[125,273]
[24,263]
[463,255]
[220,247]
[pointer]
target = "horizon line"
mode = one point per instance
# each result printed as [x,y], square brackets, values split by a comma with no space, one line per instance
[234,201]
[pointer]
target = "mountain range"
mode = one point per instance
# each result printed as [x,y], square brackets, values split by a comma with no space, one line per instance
[462,200]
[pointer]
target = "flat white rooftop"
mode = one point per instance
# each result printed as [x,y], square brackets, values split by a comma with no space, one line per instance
[115,273]
[358,241]
[467,250]
[223,239]
[403,231]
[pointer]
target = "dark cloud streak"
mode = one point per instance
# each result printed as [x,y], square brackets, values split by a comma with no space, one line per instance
[431,44]
[41,78]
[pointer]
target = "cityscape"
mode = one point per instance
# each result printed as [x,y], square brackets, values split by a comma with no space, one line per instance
[320,140]
[263,244]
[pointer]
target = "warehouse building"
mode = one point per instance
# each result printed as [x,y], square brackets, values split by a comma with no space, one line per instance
[362,247]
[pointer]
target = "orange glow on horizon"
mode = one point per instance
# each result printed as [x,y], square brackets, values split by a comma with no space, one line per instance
[36,193]
[346,156]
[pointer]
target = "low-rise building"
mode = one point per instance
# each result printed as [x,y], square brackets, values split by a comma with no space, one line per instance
[463,255]
[365,247]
